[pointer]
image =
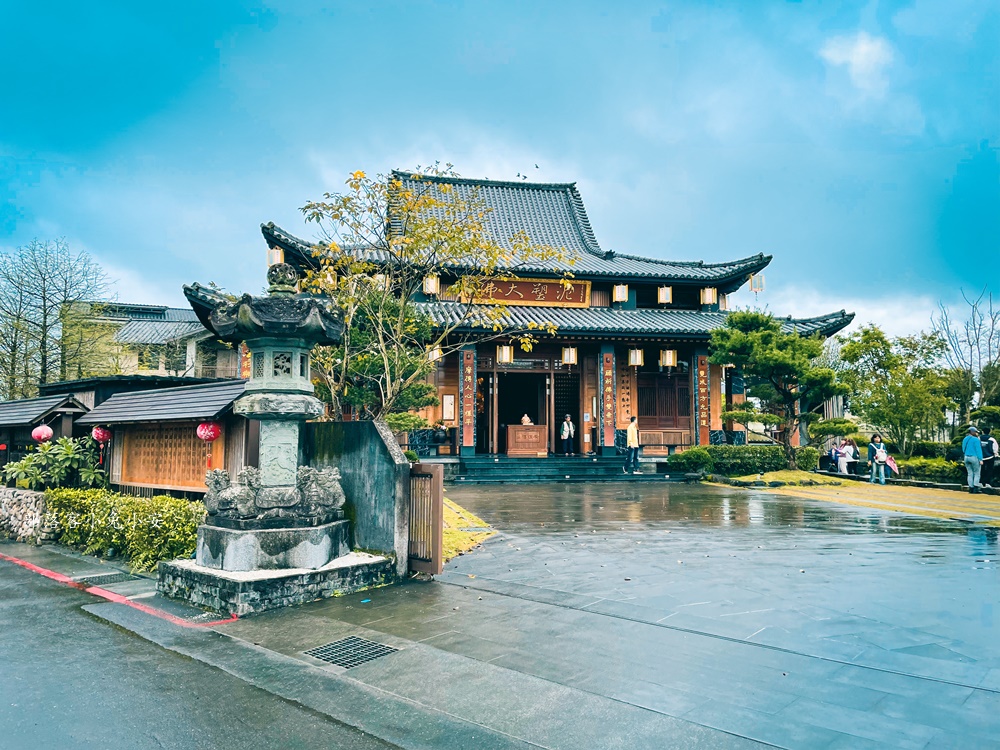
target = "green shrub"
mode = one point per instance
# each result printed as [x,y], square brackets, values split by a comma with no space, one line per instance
[928,449]
[66,462]
[142,530]
[742,460]
[807,458]
[693,459]
[411,456]
[404,421]
[932,470]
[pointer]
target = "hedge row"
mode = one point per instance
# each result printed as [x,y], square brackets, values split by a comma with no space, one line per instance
[932,470]
[142,530]
[731,460]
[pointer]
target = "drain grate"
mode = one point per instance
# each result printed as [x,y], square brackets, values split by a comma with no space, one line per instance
[350,652]
[106,578]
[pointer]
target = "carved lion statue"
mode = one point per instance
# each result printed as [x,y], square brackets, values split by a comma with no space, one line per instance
[320,488]
[242,496]
[217,481]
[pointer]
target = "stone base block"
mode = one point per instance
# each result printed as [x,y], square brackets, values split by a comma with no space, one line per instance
[244,593]
[311,548]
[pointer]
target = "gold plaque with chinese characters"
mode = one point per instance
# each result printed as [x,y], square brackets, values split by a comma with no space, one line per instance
[536,292]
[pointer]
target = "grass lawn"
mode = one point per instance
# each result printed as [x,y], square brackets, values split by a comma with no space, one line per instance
[463,530]
[790,476]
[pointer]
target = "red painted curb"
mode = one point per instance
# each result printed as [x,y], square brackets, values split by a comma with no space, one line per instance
[111,596]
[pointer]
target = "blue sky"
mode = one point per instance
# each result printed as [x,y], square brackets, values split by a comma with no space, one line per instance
[856,142]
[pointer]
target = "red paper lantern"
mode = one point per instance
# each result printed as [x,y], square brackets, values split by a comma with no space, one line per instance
[209,431]
[101,434]
[42,434]
[3,446]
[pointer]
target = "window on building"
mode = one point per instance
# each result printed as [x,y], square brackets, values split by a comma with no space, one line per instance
[175,357]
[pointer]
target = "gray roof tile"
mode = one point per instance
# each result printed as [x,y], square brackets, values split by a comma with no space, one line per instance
[158,331]
[550,214]
[206,401]
[645,322]
[28,411]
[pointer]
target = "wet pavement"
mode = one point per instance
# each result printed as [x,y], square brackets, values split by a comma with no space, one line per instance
[69,681]
[793,623]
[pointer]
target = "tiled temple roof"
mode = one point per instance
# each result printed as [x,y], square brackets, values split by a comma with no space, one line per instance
[207,401]
[158,331]
[28,411]
[551,214]
[643,323]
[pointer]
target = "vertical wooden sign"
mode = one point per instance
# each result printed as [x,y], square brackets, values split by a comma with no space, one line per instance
[608,397]
[467,397]
[704,401]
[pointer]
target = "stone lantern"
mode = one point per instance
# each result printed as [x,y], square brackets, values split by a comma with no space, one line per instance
[279,515]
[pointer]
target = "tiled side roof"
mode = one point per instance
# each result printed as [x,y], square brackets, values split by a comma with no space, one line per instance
[167,404]
[130,311]
[728,276]
[30,410]
[158,332]
[641,323]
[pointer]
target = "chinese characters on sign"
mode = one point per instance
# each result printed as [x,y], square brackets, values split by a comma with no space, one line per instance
[625,375]
[537,292]
[704,403]
[608,397]
[467,398]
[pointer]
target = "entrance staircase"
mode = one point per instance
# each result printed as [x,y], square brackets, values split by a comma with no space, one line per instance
[487,469]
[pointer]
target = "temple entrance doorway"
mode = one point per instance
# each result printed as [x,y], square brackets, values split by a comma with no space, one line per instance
[517,394]
[567,401]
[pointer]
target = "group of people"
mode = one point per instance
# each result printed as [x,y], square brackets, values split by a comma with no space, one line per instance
[567,432]
[980,451]
[846,455]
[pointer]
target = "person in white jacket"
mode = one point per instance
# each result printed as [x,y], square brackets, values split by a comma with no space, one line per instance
[567,432]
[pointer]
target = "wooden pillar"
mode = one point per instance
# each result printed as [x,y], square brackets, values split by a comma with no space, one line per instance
[607,400]
[467,401]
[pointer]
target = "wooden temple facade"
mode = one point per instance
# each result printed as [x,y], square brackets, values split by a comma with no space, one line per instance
[631,338]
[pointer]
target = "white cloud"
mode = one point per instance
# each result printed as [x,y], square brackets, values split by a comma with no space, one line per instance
[897,315]
[866,58]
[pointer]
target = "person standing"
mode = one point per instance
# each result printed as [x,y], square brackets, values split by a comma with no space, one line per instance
[854,455]
[844,455]
[632,447]
[877,456]
[567,432]
[972,448]
[990,451]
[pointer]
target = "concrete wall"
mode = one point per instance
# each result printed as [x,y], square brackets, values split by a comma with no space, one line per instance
[375,477]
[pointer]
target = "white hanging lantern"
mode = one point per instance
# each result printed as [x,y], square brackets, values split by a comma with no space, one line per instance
[668,358]
[381,281]
[620,293]
[757,283]
[709,295]
[434,353]
[665,295]
[275,255]
[569,355]
[723,301]
[505,354]
[635,358]
[432,284]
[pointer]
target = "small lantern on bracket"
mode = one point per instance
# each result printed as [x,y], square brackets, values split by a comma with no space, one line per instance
[505,354]
[432,284]
[665,295]
[209,432]
[569,355]
[723,301]
[102,436]
[757,283]
[434,353]
[668,358]
[620,293]
[709,295]
[275,256]
[635,358]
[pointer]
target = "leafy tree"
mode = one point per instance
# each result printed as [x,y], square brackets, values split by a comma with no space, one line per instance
[780,368]
[383,237]
[895,383]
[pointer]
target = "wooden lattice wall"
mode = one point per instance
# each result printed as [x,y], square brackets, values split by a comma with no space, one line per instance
[169,456]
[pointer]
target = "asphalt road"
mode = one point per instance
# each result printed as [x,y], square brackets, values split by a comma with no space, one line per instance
[70,681]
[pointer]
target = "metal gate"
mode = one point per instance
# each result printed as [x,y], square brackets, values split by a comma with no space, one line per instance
[426,549]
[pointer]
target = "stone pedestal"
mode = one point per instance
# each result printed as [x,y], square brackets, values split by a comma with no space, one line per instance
[234,549]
